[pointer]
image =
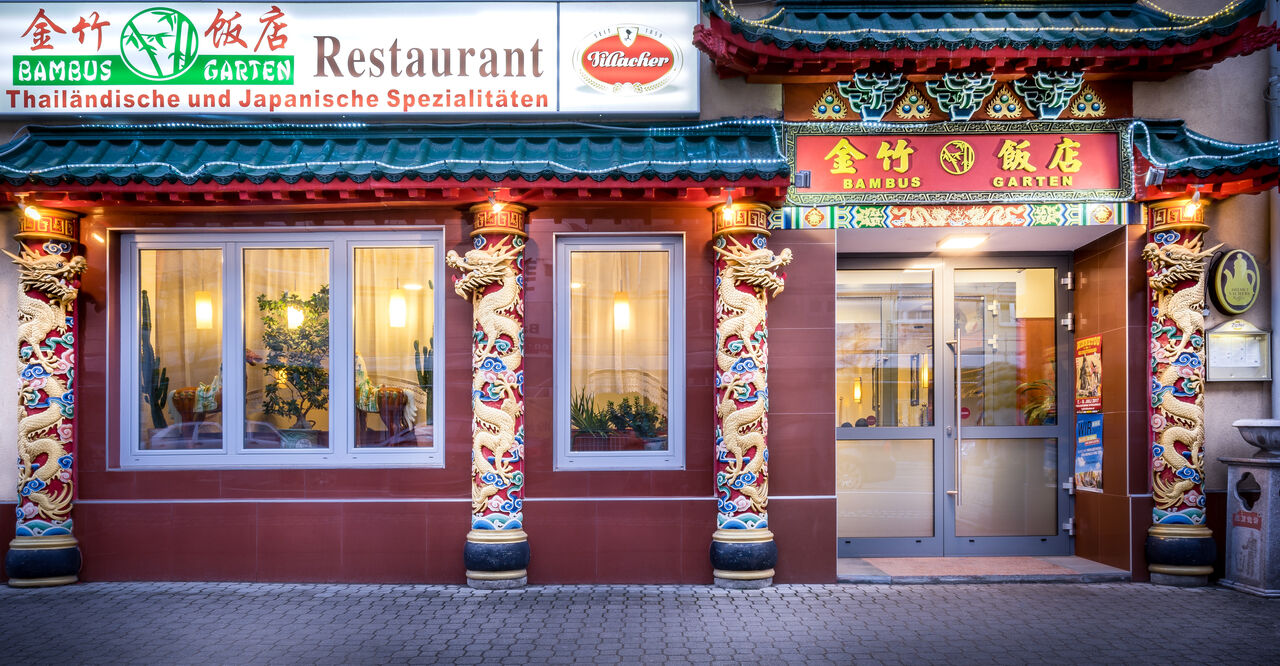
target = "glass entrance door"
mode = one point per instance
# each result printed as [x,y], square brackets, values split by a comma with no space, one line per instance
[952,424]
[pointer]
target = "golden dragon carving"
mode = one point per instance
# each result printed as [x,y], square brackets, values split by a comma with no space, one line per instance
[49,275]
[742,314]
[496,313]
[1175,264]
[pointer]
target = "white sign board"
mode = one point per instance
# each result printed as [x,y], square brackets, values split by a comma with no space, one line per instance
[409,58]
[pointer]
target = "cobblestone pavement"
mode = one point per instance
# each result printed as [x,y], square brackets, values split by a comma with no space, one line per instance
[234,623]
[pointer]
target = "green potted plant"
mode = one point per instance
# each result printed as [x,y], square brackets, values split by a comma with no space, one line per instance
[295,363]
[639,422]
[1041,405]
[155,379]
[590,425]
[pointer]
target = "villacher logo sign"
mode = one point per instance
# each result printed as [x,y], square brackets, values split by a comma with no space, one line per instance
[625,59]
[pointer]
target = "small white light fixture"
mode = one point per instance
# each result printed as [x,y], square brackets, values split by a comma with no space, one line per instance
[493,200]
[962,241]
[293,316]
[98,237]
[397,309]
[727,211]
[204,310]
[412,286]
[621,311]
[575,285]
[1192,207]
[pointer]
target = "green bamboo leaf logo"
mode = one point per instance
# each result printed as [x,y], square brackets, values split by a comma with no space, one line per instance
[159,43]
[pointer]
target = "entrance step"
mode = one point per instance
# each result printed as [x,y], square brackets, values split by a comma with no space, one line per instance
[933,570]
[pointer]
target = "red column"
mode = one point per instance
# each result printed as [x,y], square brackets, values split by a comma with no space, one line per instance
[1179,546]
[44,552]
[743,553]
[492,278]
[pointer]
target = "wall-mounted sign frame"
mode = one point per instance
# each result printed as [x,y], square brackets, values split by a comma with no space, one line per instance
[1234,282]
[1238,352]
[899,163]
[404,59]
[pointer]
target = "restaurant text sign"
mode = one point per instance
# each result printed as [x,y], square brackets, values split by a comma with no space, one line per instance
[1062,165]
[429,58]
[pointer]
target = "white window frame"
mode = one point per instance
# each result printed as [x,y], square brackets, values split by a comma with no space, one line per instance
[341,452]
[674,457]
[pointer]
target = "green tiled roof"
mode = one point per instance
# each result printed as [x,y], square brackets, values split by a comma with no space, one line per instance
[852,25]
[188,152]
[1170,146]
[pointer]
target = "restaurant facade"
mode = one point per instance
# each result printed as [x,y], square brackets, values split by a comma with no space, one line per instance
[646,292]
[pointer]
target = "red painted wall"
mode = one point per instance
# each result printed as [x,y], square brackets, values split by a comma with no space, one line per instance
[408,525]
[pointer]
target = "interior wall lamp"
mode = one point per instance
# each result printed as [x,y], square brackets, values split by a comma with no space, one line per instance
[857,390]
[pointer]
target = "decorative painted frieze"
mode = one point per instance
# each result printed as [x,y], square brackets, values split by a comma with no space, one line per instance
[872,93]
[960,94]
[993,215]
[829,106]
[1005,104]
[1087,104]
[1047,93]
[913,105]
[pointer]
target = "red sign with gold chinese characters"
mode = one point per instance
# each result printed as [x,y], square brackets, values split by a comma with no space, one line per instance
[934,164]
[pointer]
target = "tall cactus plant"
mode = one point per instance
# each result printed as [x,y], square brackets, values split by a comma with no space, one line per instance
[422,363]
[155,379]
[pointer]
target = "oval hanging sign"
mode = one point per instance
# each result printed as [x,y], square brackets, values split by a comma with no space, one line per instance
[1234,282]
[627,59]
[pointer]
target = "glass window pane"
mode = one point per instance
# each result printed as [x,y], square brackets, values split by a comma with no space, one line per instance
[394,324]
[286,333]
[884,488]
[180,349]
[1005,324]
[884,341]
[1008,487]
[619,307]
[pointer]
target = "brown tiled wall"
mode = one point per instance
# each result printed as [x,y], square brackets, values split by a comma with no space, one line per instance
[1111,301]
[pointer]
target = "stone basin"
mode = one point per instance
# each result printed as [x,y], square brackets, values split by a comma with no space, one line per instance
[1263,434]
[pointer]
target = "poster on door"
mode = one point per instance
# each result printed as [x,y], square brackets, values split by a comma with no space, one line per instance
[1089,375]
[1089,452]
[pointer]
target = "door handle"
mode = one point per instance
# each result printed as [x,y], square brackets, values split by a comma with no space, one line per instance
[954,346]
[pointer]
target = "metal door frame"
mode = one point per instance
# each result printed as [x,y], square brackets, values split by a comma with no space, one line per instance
[942,432]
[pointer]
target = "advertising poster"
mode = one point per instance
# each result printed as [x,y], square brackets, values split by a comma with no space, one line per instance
[1089,452]
[1089,375]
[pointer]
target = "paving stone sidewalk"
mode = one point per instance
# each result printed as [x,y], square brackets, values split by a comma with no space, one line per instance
[240,623]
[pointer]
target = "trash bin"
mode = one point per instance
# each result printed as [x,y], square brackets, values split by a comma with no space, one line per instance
[1253,526]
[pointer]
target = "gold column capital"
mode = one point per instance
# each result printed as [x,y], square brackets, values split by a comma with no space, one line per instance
[52,224]
[740,217]
[499,218]
[1173,215]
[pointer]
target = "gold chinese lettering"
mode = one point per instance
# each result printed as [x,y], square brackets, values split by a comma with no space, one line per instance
[900,152]
[1066,156]
[1015,156]
[843,157]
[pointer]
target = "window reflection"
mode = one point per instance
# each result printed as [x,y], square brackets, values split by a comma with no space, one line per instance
[286,332]
[884,357]
[394,357]
[180,349]
[619,311]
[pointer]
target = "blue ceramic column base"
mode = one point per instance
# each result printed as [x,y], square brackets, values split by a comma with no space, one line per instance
[1180,555]
[496,559]
[42,561]
[743,559]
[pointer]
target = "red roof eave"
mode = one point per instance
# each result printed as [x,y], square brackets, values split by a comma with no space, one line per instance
[734,55]
[76,196]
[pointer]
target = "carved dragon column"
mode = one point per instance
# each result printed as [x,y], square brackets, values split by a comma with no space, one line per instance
[491,276]
[1179,546]
[743,553]
[44,552]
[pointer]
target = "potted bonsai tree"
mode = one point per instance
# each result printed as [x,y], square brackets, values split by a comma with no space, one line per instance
[296,362]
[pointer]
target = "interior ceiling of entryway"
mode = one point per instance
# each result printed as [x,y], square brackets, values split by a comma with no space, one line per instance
[1000,239]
